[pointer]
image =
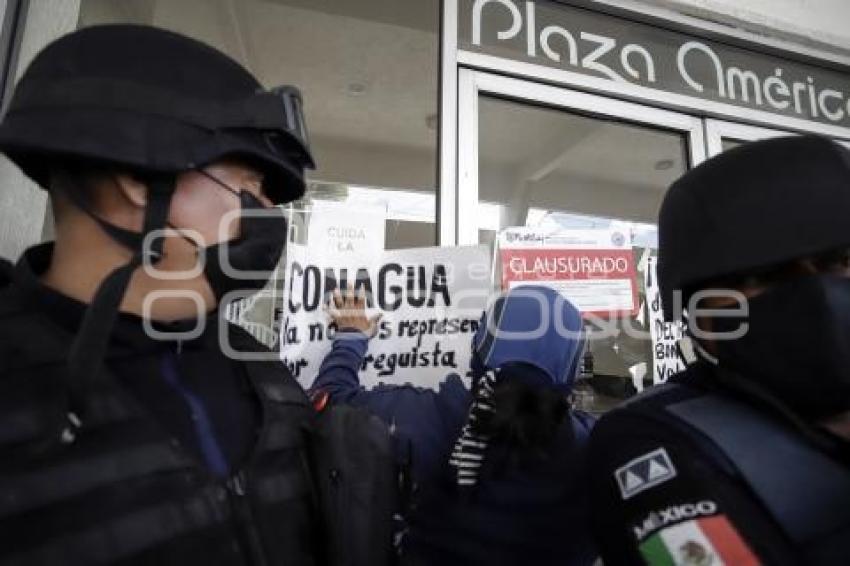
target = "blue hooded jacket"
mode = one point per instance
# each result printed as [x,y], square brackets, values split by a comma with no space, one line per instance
[533,516]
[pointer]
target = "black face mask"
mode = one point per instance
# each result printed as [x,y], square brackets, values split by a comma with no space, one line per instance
[258,249]
[797,347]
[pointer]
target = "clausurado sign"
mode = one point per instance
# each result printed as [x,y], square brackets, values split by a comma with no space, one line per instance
[579,40]
[594,269]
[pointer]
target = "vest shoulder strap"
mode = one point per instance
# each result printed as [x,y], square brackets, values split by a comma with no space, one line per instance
[268,374]
[805,490]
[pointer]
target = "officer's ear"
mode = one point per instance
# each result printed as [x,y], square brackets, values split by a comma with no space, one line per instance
[132,190]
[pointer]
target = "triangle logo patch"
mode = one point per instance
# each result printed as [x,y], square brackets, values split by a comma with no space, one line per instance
[644,472]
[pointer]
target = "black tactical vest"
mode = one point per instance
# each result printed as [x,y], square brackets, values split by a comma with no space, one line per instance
[109,485]
[804,490]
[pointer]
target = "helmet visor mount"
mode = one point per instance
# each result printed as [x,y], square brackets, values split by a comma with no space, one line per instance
[293,108]
[274,120]
[278,114]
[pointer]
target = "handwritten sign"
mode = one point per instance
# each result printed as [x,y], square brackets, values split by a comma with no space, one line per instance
[666,361]
[431,300]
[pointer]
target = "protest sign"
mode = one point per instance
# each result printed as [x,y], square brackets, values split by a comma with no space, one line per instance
[665,335]
[594,269]
[431,300]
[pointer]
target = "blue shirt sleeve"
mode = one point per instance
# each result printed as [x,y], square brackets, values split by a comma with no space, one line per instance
[338,374]
[420,414]
[339,378]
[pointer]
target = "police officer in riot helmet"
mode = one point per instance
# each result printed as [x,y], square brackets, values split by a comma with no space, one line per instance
[126,434]
[744,457]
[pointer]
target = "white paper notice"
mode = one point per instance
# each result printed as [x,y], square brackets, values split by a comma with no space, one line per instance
[665,335]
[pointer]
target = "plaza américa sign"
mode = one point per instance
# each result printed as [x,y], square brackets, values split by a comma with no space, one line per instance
[575,39]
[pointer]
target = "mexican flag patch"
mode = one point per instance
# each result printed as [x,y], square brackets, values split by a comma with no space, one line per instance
[710,541]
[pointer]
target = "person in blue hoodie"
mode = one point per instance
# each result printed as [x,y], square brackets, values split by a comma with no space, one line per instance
[498,473]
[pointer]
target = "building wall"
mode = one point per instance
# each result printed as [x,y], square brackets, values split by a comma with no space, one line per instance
[22,203]
[822,24]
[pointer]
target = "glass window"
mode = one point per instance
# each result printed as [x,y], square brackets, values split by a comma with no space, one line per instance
[548,159]
[563,171]
[368,71]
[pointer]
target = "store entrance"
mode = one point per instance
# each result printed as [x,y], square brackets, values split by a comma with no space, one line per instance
[582,176]
[546,174]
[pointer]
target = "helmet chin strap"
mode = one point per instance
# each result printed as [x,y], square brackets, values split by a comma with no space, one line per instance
[89,346]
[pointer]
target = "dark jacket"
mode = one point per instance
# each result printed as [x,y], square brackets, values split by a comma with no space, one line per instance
[533,514]
[121,472]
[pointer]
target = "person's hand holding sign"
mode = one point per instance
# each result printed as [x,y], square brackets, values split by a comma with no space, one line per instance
[349,313]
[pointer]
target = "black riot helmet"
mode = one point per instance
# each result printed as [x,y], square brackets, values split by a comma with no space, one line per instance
[154,102]
[753,207]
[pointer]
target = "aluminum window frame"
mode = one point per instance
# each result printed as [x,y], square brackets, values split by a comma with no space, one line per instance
[11,35]
[718,130]
[447,142]
[645,95]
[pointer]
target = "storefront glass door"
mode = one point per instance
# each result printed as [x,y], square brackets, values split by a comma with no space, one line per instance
[571,165]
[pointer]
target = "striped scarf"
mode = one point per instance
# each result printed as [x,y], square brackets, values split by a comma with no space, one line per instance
[468,453]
